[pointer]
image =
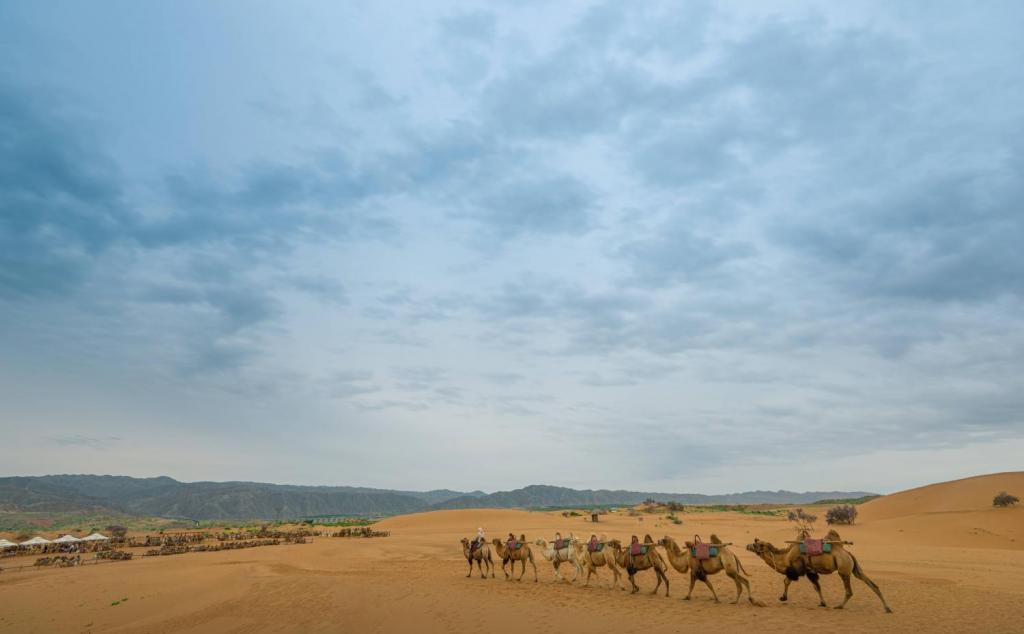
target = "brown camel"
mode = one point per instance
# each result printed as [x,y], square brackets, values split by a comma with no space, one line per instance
[481,555]
[596,559]
[635,563]
[778,560]
[793,563]
[685,562]
[521,554]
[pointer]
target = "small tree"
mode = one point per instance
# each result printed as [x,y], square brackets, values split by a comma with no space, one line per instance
[842,514]
[804,521]
[117,531]
[1004,499]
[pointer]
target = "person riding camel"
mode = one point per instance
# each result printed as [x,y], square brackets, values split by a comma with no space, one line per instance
[592,546]
[478,541]
[559,542]
[511,542]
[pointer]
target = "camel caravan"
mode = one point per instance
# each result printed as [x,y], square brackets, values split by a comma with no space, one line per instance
[696,559]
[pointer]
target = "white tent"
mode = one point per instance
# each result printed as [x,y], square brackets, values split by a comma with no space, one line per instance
[36,541]
[67,539]
[6,544]
[95,537]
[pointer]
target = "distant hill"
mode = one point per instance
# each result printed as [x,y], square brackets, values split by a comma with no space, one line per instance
[968,494]
[541,496]
[166,497]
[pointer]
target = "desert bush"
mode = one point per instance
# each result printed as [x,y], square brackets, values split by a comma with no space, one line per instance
[842,514]
[675,507]
[117,531]
[802,519]
[1004,499]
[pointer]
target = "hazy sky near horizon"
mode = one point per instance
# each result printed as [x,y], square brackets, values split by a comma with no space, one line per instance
[701,247]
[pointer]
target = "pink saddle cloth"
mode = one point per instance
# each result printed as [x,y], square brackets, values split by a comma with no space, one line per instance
[637,549]
[813,547]
[561,543]
[702,551]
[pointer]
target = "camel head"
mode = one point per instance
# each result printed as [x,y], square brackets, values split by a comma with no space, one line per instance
[759,547]
[465,542]
[540,542]
[497,542]
[666,541]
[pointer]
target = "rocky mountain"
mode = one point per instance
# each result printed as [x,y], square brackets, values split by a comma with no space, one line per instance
[167,497]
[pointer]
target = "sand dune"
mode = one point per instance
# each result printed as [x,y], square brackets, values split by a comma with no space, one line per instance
[969,494]
[936,578]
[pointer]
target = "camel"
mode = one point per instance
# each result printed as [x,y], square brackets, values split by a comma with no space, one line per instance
[635,563]
[594,560]
[684,562]
[522,554]
[481,555]
[791,563]
[778,560]
[568,553]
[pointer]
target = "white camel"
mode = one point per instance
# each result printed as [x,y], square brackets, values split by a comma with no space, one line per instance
[566,554]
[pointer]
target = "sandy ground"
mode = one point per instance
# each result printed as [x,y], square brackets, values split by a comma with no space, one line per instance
[942,570]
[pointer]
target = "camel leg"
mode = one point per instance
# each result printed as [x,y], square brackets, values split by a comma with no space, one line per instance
[664,575]
[522,561]
[657,576]
[480,562]
[813,577]
[849,590]
[590,571]
[555,563]
[741,583]
[470,573]
[534,564]
[857,572]
[513,563]
[707,582]
[632,582]
[490,565]
[693,582]
[785,589]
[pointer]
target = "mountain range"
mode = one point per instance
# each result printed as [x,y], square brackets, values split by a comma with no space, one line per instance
[167,497]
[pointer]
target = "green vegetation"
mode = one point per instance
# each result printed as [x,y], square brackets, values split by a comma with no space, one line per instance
[79,522]
[839,501]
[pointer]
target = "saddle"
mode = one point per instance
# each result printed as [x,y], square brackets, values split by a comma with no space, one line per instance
[595,547]
[475,545]
[814,547]
[561,543]
[638,549]
[514,545]
[702,551]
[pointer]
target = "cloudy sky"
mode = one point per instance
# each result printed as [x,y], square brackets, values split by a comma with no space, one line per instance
[677,246]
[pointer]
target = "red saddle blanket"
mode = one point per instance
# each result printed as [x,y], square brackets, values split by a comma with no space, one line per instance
[702,551]
[813,547]
[595,547]
[561,543]
[514,545]
[637,549]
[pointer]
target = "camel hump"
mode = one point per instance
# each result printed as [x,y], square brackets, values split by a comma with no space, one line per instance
[714,539]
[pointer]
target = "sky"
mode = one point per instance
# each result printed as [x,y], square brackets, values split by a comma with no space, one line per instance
[666,246]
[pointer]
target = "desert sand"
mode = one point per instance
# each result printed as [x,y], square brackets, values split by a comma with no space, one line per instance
[945,560]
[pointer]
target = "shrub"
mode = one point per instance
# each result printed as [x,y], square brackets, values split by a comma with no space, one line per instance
[842,514]
[1004,499]
[117,531]
[802,519]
